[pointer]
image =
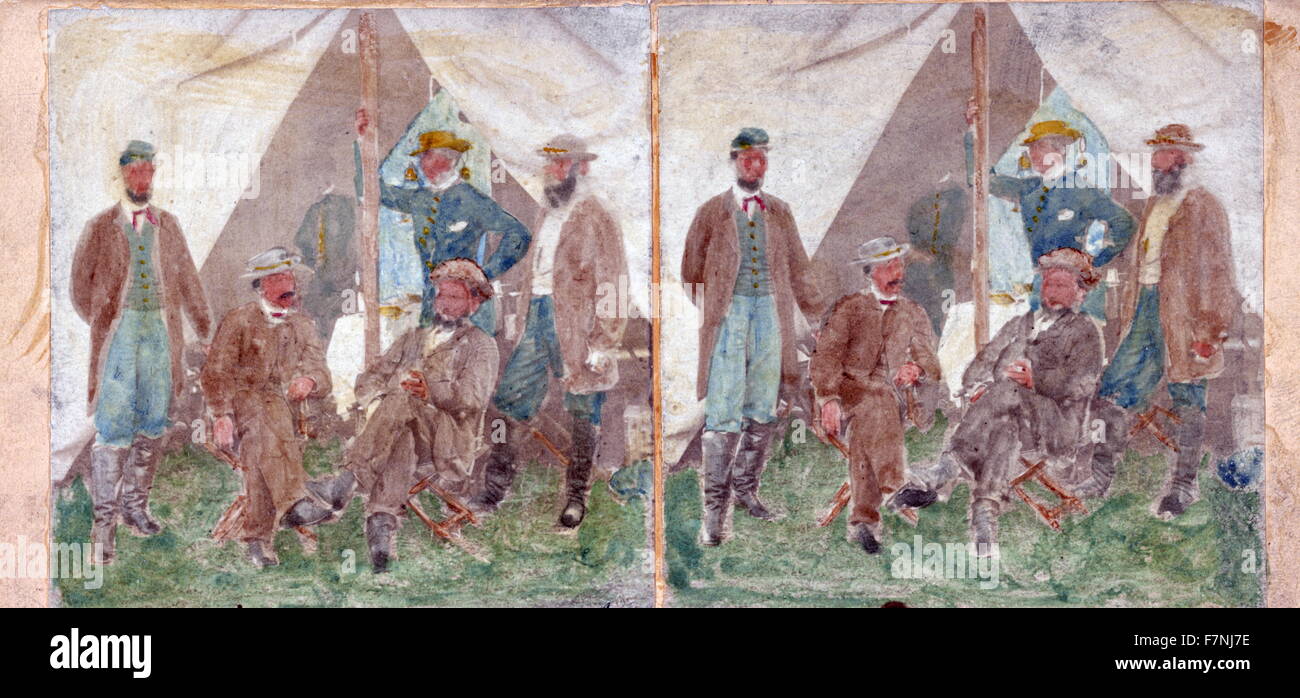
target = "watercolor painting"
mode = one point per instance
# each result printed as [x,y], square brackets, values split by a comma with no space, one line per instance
[661,304]
[966,303]
[356,314]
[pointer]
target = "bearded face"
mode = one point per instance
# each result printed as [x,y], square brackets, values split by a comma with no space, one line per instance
[138,178]
[560,187]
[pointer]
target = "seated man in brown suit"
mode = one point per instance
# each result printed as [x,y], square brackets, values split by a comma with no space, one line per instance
[1028,391]
[875,364]
[425,399]
[265,359]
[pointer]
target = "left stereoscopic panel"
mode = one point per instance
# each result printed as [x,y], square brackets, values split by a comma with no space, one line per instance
[348,307]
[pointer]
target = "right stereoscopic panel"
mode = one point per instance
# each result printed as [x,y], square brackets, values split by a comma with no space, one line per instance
[962,304]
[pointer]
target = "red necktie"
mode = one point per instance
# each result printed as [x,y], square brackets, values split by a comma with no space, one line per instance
[148,214]
[885,302]
[745,204]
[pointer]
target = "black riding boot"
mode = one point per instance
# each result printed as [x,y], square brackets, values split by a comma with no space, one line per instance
[305,512]
[105,477]
[748,468]
[719,449]
[336,491]
[1106,453]
[498,475]
[1183,483]
[137,480]
[577,480]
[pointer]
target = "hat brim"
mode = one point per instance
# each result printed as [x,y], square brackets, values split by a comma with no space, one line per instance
[1063,136]
[902,250]
[1177,145]
[458,146]
[296,267]
[566,155]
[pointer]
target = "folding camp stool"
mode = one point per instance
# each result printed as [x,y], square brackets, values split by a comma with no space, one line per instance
[1148,421]
[1050,516]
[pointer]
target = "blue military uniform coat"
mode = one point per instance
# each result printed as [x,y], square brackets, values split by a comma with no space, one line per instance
[454,223]
[1058,216]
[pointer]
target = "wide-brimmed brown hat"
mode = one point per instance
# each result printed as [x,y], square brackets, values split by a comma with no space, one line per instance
[433,140]
[1051,129]
[1077,261]
[463,269]
[1177,136]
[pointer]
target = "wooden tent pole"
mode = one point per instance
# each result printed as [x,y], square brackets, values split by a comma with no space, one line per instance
[979,50]
[369,227]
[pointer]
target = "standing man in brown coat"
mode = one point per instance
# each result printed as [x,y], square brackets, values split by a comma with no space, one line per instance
[875,364]
[132,278]
[424,400]
[575,260]
[265,361]
[743,248]
[1177,301]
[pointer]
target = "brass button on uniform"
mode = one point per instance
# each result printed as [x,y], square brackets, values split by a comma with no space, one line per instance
[426,230]
[754,259]
[751,224]
[755,285]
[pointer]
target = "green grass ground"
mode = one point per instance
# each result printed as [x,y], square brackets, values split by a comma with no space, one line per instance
[607,562]
[1118,555]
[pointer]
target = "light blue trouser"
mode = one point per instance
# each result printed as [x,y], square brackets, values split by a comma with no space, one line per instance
[1139,363]
[745,368]
[535,358]
[135,387]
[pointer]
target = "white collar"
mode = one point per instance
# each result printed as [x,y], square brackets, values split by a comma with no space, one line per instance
[269,311]
[742,194]
[880,295]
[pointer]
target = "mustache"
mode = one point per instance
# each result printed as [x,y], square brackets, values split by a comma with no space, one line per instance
[558,194]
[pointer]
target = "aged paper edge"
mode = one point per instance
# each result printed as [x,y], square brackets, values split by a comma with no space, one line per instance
[24,273]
